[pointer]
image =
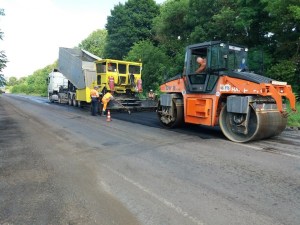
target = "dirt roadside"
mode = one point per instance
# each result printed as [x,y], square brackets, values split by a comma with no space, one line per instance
[42,183]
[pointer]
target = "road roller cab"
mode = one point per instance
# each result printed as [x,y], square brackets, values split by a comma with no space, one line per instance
[245,105]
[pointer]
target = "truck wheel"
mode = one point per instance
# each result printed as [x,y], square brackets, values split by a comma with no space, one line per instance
[59,99]
[75,103]
[50,98]
[70,102]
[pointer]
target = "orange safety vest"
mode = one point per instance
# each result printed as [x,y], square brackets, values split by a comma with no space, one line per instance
[107,96]
[94,93]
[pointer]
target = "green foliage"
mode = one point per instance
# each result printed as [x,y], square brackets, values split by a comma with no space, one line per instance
[259,60]
[284,25]
[3,59]
[198,17]
[170,23]
[1,14]
[242,22]
[295,10]
[95,43]
[172,33]
[35,83]
[12,81]
[294,117]
[129,24]
[283,71]
[230,20]
[20,88]
[155,63]
[2,80]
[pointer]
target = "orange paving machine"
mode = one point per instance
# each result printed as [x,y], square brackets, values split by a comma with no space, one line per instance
[245,105]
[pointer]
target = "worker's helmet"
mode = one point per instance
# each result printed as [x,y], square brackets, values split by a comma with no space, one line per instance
[151,90]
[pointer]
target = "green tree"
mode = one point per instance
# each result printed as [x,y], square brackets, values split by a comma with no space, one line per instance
[22,80]
[258,60]
[3,59]
[171,31]
[12,81]
[284,71]
[283,28]
[271,28]
[237,21]
[156,64]
[35,83]
[129,24]
[95,42]
[170,23]
[2,80]
[1,14]
[20,88]
[198,19]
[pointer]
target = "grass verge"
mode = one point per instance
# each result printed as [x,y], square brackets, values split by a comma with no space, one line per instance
[294,117]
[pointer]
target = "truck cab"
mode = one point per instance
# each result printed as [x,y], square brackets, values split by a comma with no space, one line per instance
[56,84]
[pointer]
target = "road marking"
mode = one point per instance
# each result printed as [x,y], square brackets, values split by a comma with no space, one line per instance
[290,155]
[167,203]
[275,151]
[249,146]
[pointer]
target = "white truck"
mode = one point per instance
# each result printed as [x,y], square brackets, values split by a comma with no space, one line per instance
[57,86]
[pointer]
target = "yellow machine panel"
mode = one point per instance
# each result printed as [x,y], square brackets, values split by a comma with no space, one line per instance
[83,95]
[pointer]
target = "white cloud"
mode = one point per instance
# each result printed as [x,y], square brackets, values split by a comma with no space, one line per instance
[35,29]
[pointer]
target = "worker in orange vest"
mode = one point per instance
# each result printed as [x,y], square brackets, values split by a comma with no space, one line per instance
[95,97]
[105,100]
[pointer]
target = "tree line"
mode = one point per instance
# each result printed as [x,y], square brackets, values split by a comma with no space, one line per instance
[156,35]
[3,59]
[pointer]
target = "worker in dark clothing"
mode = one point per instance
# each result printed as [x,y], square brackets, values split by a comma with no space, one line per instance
[100,104]
[95,98]
[151,95]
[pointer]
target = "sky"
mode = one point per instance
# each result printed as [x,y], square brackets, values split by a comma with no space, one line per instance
[35,29]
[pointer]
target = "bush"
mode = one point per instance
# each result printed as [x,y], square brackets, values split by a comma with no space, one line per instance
[284,71]
[294,117]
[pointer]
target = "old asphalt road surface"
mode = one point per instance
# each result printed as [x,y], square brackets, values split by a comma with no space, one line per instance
[59,165]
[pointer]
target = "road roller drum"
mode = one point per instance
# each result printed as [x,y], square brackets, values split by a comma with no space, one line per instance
[260,125]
